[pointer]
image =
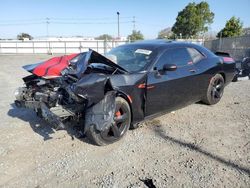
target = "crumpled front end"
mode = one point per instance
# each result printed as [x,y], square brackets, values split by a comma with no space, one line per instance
[81,91]
[56,100]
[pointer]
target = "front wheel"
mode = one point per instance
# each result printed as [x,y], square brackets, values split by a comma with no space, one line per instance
[215,90]
[119,127]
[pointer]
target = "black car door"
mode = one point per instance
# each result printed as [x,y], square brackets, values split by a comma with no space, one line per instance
[169,90]
[201,77]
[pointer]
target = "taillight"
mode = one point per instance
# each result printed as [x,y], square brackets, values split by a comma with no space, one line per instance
[228,59]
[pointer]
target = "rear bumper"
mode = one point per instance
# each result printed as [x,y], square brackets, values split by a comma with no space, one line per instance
[43,110]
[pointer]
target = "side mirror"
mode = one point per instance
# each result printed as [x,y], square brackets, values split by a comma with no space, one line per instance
[169,67]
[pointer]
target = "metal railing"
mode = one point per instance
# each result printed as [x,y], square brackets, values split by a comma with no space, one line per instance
[56,47]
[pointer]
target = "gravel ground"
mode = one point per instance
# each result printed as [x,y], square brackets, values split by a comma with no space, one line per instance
[197,146]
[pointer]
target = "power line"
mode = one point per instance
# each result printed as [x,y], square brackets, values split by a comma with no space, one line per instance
[17,24]
[23,20]
[62,19]
[48,21]
[90,19]
[88,23]
[63,23]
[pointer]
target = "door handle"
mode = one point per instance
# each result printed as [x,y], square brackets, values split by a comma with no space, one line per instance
[192,70]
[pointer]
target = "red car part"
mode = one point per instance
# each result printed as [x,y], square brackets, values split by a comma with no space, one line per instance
[53,66]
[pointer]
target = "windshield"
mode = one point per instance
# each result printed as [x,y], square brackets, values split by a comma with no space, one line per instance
[131,58]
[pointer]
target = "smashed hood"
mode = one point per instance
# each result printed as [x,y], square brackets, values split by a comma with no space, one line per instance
[95,57]
[54,66]
[51,67]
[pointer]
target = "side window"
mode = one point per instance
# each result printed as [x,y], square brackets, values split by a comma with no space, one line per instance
[181,57]
[177,56]
[195,55]
[164,59]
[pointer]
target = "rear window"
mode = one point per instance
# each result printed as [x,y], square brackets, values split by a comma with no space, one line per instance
[195,55]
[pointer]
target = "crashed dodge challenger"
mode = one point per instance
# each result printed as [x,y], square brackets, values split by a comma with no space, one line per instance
[109,94]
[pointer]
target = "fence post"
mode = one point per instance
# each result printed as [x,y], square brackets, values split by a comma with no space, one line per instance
[105,46]
[97,46]
[50,52]
[16,47]
[65,48]
[80,49]
[33,45]
[235,46]
[220,41]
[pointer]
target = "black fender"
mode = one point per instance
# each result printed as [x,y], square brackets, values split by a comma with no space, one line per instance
[101,115]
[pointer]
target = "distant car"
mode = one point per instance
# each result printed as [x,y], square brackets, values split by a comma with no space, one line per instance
[107,97]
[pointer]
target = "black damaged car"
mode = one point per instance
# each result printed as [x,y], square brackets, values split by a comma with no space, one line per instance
[109,94]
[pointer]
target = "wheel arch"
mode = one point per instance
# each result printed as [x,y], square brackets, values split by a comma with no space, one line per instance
[223,75]
[129,101]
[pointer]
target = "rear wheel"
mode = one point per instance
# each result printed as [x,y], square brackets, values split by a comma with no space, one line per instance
[118,128]
[215,90]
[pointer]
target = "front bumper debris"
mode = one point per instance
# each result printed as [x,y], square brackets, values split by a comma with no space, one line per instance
[46,113]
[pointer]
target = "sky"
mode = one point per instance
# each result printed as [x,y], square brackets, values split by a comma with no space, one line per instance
[95,17]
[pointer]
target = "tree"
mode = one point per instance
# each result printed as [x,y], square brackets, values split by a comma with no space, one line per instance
[233,28]
[104,37]
[193,20]
[136,35]
[165,33]
[23,36]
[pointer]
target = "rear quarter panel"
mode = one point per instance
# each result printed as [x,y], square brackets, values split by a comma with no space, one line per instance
[206,69]
[229,68]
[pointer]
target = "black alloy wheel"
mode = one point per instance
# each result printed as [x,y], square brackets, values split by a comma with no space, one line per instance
[118,128]
[215,90]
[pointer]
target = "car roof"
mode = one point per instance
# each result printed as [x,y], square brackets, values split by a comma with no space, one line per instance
[161,44]
[154,41]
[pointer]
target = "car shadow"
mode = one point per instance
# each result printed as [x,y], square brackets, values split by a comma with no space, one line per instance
[161,133]
[42,127]
[201,103]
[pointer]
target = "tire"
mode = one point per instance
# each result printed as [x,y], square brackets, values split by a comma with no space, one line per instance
[215,90]
[118,129]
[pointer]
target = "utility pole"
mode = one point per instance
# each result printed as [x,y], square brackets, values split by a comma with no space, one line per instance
[133,23]
[220,40]
[48,43]
[47,26]
[118,24]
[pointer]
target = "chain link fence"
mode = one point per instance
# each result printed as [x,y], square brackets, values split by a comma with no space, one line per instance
[237,47]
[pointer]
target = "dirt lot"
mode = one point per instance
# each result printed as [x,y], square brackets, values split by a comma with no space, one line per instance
[197,146]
